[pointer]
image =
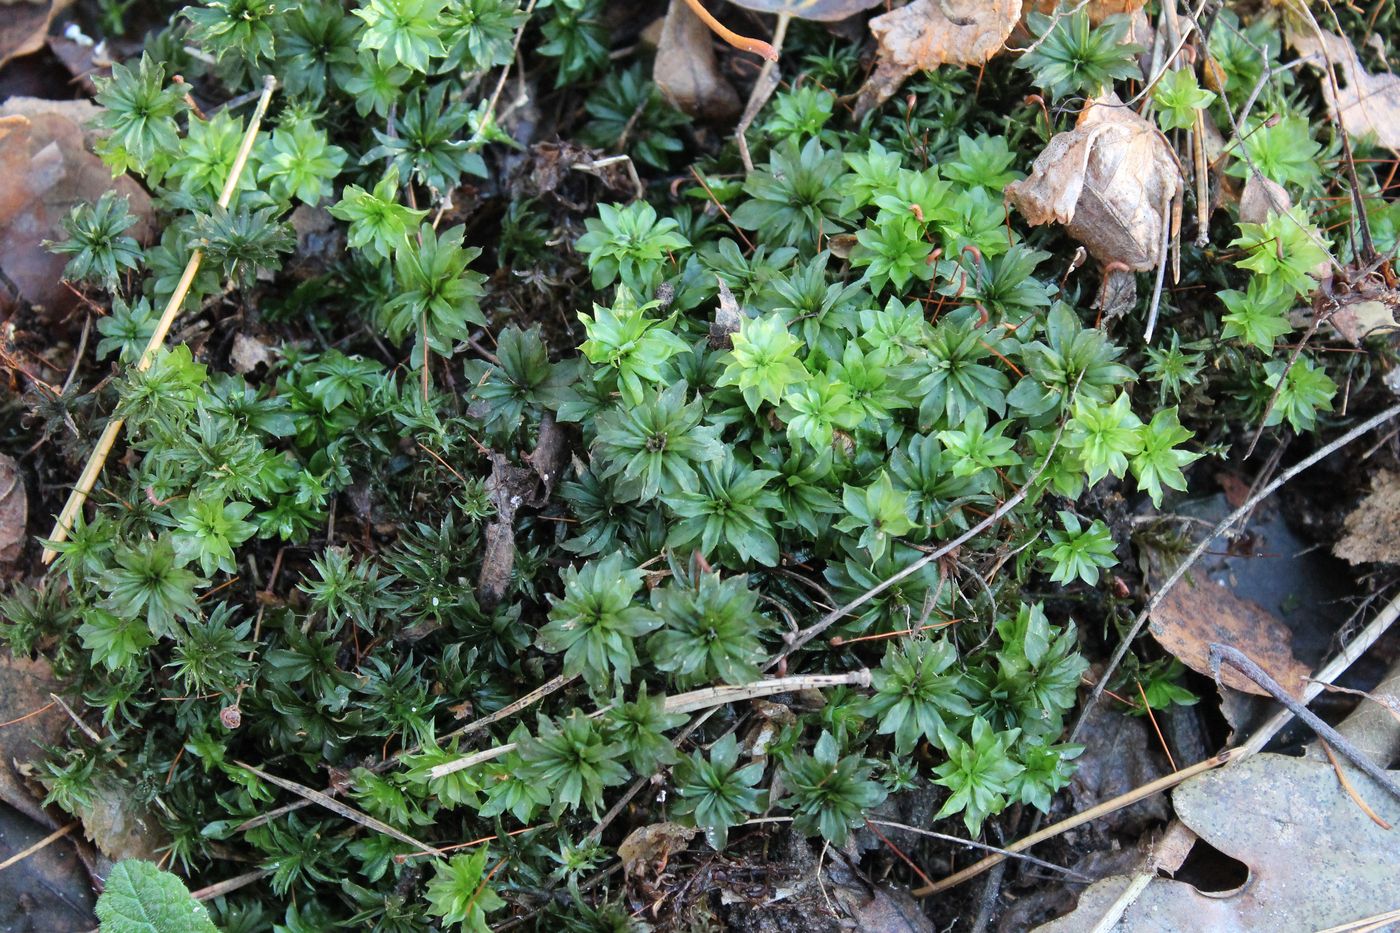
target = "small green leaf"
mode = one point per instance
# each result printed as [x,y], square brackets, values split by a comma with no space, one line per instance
[140,898]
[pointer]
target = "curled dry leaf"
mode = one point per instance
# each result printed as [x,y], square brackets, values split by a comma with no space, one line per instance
[14,511]
[686,71]
[1364,104]
[1316,860]
[48,168]
[1110,181]
[24,25]
[1195,613]
[929,33]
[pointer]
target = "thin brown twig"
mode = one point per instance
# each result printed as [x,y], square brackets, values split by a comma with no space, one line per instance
[51,838]
[340,809]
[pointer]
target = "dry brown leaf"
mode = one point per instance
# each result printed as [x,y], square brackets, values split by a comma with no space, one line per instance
[248,354]
[646,849]
[686,70]
[1110,181]
[1262,197]
[48,168]
[929,33]
[1316,860]
[119,825]
[1196,613]
[1365,104]
[1098,10]
[1372,531]
[24,689]
[24,25]
[1365,313]
[14,510]
[728,318]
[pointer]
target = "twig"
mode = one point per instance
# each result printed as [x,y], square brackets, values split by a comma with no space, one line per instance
[689,703]
[229,885]
[1161,279]
[763,89]
[1079,819]
[1350,788]
[51,838]
[1225,525]
[88,478]
[1373,922]
[340,809]
[534,696]
[1228,654]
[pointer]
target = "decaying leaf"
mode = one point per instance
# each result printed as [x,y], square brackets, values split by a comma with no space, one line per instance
[121,826]
[248,354]
[48,168]
[1098,10]
[928,33]
[1363,313]
[1198,612]
[14,510]
[1372,532]
[1262,197]
[550,456]
[24,689]
[508,488]
[1110,181]
[728,317]
[686,70]
[1316,860]
[1364,104]
[24,24]
[646,849]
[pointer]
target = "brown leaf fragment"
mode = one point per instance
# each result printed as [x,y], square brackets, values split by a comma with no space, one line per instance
[83,58]
[686,70]
[646,849]
[47,169]
[1098,10]
[928,33]
[1196,613]
[1372,531]
[1262,197]
[1365,104]
[119,825]
[24,24]
[14,511]
[32,717]
[248,354]
[550,456]
[728,317]
[1109,181]
[508,488]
